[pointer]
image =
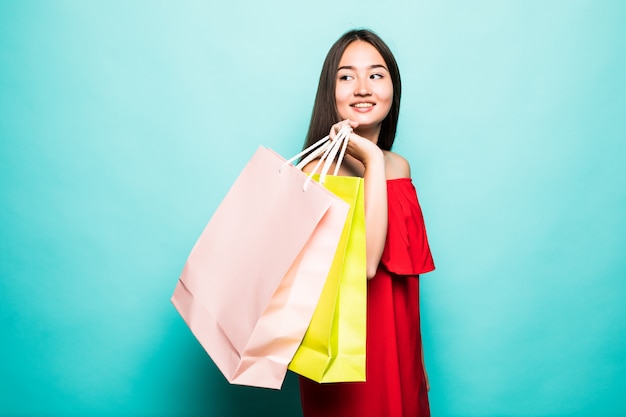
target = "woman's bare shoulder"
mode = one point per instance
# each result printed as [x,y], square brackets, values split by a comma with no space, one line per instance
[396,166]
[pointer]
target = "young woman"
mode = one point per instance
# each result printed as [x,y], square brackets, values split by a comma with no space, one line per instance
[360,86]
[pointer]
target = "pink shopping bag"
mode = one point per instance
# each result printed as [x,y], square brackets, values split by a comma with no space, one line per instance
[251,282]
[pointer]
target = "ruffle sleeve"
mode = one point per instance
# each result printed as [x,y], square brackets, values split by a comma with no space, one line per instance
[406,251]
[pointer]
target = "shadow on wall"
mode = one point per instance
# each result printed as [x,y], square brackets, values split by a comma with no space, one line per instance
[201,389]
[249,401]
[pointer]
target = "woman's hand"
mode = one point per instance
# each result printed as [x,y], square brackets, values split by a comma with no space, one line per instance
[360,148]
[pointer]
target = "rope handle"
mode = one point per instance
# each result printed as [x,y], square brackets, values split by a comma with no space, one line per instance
[328,149]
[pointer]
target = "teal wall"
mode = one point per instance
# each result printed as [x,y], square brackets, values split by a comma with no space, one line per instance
[123,123]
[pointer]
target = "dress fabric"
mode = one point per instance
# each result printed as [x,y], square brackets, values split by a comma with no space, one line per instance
[395,384]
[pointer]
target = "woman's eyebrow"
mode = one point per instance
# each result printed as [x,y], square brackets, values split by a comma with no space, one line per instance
[350,67]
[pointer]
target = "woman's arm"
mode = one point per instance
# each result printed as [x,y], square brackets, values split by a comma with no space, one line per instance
[375,189]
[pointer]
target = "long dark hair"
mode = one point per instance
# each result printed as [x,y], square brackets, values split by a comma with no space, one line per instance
[325,112]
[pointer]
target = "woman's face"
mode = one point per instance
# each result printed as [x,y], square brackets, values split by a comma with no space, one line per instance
[364,90]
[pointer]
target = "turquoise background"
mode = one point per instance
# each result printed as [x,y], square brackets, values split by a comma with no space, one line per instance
[123,124]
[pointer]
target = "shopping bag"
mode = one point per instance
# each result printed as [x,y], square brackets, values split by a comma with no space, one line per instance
[333,348]
[252,281]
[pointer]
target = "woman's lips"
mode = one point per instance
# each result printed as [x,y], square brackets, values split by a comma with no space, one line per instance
[362,107]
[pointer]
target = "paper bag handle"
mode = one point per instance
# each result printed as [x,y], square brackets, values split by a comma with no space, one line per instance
[328,150]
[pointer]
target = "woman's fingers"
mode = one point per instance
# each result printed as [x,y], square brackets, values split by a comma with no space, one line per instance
[334,130]
[362,148]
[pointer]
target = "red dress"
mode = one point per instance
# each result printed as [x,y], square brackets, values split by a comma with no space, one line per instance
[396,386]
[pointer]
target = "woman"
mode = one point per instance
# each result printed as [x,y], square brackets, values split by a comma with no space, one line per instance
[360,86]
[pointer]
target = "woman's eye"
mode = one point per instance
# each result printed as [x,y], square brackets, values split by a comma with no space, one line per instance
[345,77]
[376,76]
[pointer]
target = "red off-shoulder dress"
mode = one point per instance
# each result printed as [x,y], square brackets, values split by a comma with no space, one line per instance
[395,383]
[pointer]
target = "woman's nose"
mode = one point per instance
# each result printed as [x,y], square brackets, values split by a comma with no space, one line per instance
[362,88]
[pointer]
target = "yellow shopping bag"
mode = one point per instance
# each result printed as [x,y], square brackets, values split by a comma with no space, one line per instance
[333,348]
